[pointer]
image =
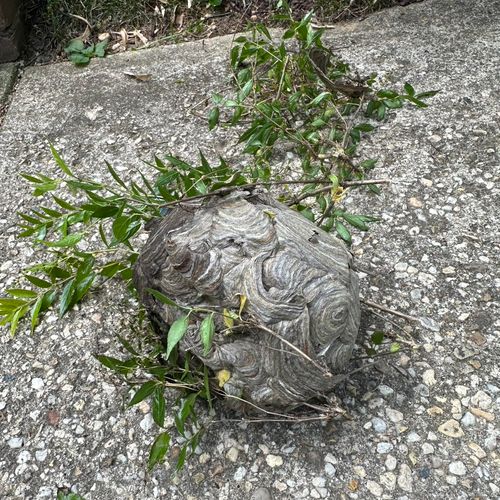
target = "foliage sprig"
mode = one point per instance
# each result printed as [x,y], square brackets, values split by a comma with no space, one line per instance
[291,93]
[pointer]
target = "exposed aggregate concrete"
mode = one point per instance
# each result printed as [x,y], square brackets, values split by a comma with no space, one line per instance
[424,423]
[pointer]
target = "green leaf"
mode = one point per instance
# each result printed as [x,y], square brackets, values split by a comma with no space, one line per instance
[343,232]
[176,332]
[35,311]
[409,89]
[79,59]
[365,127]
[51,213]
[48,299]
[395,346]
[75,45]
[182,457]
[110,269]
[15,319]
[430,93]
[307,213]
[60,162]
[143,392]
[82,286]
[213,118]
[85,186]
[123,367]
[124,227]
[245,91]
[159,449]
[63,204]
[377,337]
[7,303]
[179,163]
[66,296]
[68,241]
[417,102]
[45,188]
[320,98]
[21,292]
[368,164]
[374,188]
[158,408]
[162,298]
[105,212]
[207,331]
[115,176]
[28,218]
[356,221]
[100,48]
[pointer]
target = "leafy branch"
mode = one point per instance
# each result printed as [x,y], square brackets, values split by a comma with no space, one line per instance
[290,94]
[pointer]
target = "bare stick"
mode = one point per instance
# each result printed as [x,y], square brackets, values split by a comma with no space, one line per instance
[325,371]
[369,303]
[344,184]
[230,189]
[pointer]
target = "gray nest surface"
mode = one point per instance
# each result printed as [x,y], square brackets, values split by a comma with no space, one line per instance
[298,282]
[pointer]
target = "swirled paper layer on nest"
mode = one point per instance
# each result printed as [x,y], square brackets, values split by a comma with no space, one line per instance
[298,285]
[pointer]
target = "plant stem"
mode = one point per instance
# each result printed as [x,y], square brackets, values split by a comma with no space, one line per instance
[343,184]
[374,305]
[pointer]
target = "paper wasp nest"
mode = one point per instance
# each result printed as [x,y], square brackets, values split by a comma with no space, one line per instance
[297,281]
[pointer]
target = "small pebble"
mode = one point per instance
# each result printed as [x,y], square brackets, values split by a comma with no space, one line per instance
[427,449]
[451,428]
[379,425]
[232,454]
[457,468]
[424,472]
[482,400]
[359,470]
[405,481]
[319,482]
[330,470]
[394,415]
[413,437]
[383,448]
[374,488]
[390,463]
[429,377]
[261,494]
[477,450]
[240,473]
[490,442]
[41,455]
[37,384]
[468,420]
[274,460]
[388,480]
[15,442]
[385,390]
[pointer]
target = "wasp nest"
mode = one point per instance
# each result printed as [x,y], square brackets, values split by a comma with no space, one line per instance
[301,305]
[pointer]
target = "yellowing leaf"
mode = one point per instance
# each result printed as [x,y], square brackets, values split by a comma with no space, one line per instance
[228,318]
[243,301]
[223,376]
[338,194]
[270,214]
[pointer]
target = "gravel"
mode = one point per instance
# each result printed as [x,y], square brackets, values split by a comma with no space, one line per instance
[433,255]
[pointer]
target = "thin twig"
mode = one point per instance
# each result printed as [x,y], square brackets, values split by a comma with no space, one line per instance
[395,336]
[268,412]
[324,370]
[303,196]
[252,185]
[374,305]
